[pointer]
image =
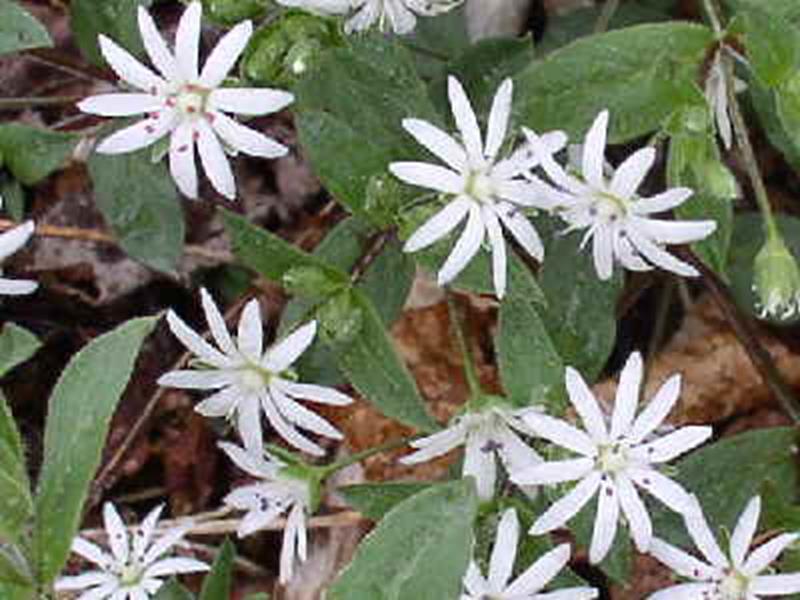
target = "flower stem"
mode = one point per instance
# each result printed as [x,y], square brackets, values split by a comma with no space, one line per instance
[328,470]
[470,373]
[609,8]
[32,101]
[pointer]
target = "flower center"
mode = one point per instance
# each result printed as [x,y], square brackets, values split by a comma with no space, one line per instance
[479,186]
[253,379]
[607,208]
[613,457]
[733,586]
[130,575]
[190,100]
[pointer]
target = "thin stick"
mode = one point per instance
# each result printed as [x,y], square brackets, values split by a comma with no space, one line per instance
[33,101]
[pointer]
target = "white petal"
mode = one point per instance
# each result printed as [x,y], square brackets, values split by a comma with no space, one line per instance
[139,135]
[594,148]
[435,445]
[701,534]
[281,355]
[630,174]
[573,593]
[314,393]
[299,415]
[765,554]
[196,379]
[439,225]
[680,562]
[174,566]
[465,248]
[250,334]
[586,405]
[476,585]
[117,533]
[565,508]
[605,523]
[515,453]
[201,348]
[627,397]
[671,494]
[245,139]
[187,40]
[744,531]
[364,18]
[639,524]
[90,552]
[438,142]
[530,193]
[163,544]
[156,47]
[627,254]
[84,580]
[285,429]
[466,121]
[181,160]
[676,232]
[776,585]
[216,323]
[551,472]
[290,543]
[249,101]
[128,68]
[143,534]
[539,573]
[427,175]
[603,251]
[657,410]
[121,105]
[661,202]
[480,463]
[659,257]
[498,245]
[498,119]
[17,287]
[522,230]
[15,238]
[673,444]
[401,18]
[561,433]
[251,462]
[215,163]
[504,551]
[554,171]
[685,591]
[248,422]
[225,54]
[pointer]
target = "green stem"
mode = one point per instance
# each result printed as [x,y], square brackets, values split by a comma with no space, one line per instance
[470,373]
[712,10]
[327,470]
[609,8]
[32,101]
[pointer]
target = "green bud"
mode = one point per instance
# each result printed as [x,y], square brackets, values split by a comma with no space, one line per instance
[340,318]
[776,280]
[231,12]
[312,282]
[284,50]
[719,181]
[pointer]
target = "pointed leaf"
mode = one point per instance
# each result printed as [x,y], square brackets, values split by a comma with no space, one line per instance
[16,346]
[19,30]
[217,584]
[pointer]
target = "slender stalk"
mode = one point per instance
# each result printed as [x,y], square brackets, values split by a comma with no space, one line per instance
[713,12]
[470,373]
[33,101]
[609,9]
[327,470]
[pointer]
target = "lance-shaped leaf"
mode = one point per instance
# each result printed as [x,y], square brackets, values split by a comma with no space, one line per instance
[31,154]
[16,346]
[19,30]
[16,503]
[217,584]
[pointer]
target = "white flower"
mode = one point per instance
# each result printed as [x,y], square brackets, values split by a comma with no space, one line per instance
[613,462]
[400,14]
[487,192]
[250,380]
[484,435]
[733,577]
[186,102]
[528,585]
[616,219]
[716,94]
[275,494]
[134,569]
[11,241]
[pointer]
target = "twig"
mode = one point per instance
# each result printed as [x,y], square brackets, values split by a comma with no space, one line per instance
[33,101]
[376,245]
[68,64]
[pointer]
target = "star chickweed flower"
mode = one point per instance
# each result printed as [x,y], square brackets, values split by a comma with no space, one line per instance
[486,191]
[613,462]
[528,585]
[487,432]
[11,241]
[617,220]
[249,379]
[716,93]
[280,489]
[188,103]
[776,279]
[736,576]
[135,568]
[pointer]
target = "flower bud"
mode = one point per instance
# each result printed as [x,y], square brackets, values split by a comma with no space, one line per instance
[776,280]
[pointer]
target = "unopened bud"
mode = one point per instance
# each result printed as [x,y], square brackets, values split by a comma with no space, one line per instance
[776,280]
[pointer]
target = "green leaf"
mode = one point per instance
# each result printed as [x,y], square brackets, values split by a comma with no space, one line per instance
[391,564]
[13,196]
[31,154]
[16,346]
[641,74]
[257,596]
[217,584]
[531,369]
[372,366]
[139,201]
[16,503]
[264,252]
[115,19]
[19,30]
[726,474]
[374,500]
[172,590]
[773,46]
[580,313]
[619,561]
[349,117]
[231,12]
[788,10]
[14,569]
[9,591]
[79,414]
